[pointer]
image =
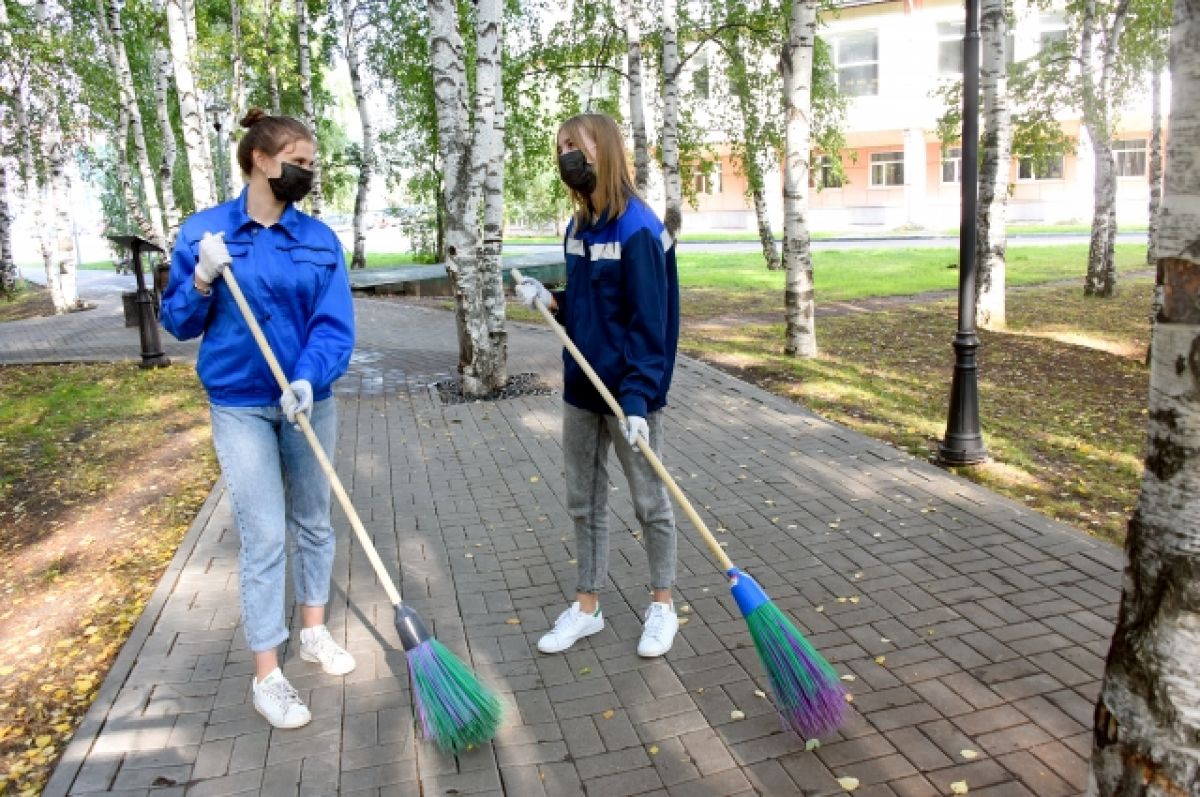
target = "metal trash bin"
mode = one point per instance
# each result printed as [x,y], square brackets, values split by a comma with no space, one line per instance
[130,303]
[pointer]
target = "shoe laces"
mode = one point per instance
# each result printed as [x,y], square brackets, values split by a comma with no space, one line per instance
[656,618]
[567,618]
[322,644]
[282,692]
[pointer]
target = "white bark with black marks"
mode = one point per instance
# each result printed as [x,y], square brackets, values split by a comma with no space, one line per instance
[995,151]
[8,268]
[166,167]
[637,104]
[191,112]
[1147,735]
[796,65]
[303,48]
[110,15]
[272,54]
[1155,175]
[465,149]
[237,98]
[350,44]
[672,182]
[60,272]
[491,266]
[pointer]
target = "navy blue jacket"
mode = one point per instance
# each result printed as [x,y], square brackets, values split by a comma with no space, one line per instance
[293,274]
[621,308]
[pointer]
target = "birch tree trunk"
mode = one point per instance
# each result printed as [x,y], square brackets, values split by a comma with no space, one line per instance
[491,266]
[796,66]
[766,236]
[8,268]
[1147,730]
[237,98]
[190,111]
[60,267]
[672,187]
[272,69]
[110,14]
[637,105]
[306,94]
[991,241]
[1155,176]
[366,167]
[1101,277]
[34,199]
[739,85]
[465,151]
[166,167]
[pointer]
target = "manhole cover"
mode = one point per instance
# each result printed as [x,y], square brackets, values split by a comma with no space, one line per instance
[450,390]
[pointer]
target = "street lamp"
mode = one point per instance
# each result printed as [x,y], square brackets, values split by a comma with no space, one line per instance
[963,444]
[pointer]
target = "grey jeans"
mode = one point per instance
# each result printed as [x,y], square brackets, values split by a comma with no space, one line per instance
[586,440]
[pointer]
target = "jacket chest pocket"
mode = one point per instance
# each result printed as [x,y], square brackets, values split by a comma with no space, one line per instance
[303,271]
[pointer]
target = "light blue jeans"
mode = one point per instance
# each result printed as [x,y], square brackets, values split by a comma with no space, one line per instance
[587,437]
[280,499]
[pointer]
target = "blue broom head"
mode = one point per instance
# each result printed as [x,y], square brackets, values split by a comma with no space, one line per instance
[808,692]
[456,710]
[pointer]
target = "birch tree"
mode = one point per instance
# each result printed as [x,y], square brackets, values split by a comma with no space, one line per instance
[637,105]
[490,252]
[109,12]
[1146,739]
[796,67]
[191,111]
[351,26]
[465,149]
[304,49]
[8,268]
[1155,176]
[672,182]
[237,95]
[166,134]
[272,67]
[995,150]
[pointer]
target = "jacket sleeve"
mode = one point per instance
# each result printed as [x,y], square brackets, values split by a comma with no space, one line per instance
[644,286]
[185,310]
[329,341]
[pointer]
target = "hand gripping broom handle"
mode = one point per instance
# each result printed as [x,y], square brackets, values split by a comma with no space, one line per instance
[651,457]
[364,540]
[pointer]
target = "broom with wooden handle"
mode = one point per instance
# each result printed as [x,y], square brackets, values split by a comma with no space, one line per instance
[808,693]
[455,709]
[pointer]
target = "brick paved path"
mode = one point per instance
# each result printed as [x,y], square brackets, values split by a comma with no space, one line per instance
[966,621]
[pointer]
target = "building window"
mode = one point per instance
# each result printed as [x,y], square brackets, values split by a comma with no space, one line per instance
[707,181]
[887,169]
[1051,169]
[952,165]
[701,75]
[824,173]
[1131,157]
[857,58]
[950,47]
[1052,30]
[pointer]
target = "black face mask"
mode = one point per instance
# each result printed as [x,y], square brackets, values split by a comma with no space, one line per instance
[292,184]
[576,172]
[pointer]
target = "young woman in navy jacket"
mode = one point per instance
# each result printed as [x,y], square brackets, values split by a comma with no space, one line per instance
[621,308]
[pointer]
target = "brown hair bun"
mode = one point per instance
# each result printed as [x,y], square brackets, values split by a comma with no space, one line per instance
[252,116]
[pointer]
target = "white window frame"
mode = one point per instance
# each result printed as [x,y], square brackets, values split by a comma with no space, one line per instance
[954,37]
[1131,146]
[838,41]
[822,173]
[707,181]
[1034,176]
[878,159]
[952,155]
[1051,24]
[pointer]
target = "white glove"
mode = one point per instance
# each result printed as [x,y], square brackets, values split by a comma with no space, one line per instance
[214,257]
[530,291]
[633,427]
[298,399]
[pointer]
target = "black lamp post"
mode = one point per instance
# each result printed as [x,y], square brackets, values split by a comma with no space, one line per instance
[963,444]
[152,350]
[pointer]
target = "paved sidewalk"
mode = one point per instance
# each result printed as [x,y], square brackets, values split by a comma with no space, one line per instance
[961,620]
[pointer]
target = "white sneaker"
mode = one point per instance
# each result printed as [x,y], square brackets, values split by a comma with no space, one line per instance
[659,631]
[570,627]
[276,700]
[317,645]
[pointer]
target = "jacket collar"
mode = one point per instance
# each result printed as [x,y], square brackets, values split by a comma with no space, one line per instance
[289,221]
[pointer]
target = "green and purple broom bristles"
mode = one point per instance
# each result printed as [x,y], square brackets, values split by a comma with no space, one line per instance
[456,710]
[808,693]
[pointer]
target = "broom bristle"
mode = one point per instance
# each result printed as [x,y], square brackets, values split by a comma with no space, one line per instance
[456,710]
[808,693]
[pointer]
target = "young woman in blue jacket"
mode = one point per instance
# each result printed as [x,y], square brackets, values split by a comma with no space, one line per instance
[291,268]
[621,308]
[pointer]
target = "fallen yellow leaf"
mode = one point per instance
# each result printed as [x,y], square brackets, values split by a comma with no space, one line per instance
[608,713]
[969,754]
[513,621]
[959,787]
[653,749]
[737,714]
[848,784]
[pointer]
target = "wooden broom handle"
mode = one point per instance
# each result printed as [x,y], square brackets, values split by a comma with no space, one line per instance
[306,427]
[644,444]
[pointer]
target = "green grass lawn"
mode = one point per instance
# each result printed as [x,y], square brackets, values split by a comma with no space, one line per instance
[846,275]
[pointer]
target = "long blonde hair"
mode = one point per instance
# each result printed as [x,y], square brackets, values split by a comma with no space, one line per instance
[614,183]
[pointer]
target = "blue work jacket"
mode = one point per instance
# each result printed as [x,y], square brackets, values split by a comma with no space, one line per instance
[293,274]
[621,308]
